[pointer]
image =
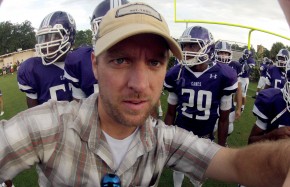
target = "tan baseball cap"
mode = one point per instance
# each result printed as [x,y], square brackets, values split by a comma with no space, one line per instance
[129,20]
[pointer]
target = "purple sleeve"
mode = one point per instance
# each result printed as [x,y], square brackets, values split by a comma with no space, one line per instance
[263,105]
[229,80]
[72,68]
[26,81]
[171,77]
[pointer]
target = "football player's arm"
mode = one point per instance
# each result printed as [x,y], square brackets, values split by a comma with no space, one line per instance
[72,75]
[171,109]
[268,82]
[223,127]
[267,86]
[31,102]
[262,164]
[259,134]
[251,62]
[238,99]
[223,122]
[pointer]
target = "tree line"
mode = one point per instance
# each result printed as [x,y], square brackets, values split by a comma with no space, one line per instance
[16,36]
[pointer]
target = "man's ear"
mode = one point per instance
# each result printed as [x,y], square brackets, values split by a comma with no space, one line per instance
[94,65]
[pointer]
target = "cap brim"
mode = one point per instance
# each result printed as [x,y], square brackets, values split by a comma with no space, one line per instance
[117,35]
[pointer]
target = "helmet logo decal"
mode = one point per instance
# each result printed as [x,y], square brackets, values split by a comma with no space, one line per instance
[46,21]
[71,19]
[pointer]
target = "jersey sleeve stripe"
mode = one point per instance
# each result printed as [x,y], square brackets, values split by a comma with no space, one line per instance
[31,95]
[24,87]
[167,86]
[78,93]
[261,124]
[232,87]
[67,76]
[258,113]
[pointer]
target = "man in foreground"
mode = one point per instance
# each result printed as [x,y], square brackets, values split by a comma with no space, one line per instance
[111,135]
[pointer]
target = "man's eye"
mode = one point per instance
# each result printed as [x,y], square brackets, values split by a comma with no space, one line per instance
[155,63]
[120,61]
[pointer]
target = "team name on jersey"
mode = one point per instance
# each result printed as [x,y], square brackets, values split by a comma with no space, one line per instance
[195,83]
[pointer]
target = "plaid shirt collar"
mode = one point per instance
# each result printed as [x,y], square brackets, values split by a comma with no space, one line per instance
[89,130]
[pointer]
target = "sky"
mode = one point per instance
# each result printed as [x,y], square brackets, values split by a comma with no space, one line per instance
[262,14]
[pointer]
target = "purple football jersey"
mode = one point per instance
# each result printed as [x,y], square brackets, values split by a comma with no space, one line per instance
[78,71]
[263,70]
[199,96]
[43,82]
[276,76]
[247,65]
[237,67]
[269,103]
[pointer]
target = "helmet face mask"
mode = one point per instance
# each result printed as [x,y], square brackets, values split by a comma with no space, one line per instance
[286,88]
[197,36]
[95,27]
[99,12]
[223,52]
[266,61]
[246,54]
[281,58]
[55,37]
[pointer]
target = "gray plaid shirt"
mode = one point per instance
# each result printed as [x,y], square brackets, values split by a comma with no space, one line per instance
[66,142]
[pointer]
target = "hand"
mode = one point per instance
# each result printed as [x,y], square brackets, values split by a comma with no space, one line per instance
[280,133]
[237,114]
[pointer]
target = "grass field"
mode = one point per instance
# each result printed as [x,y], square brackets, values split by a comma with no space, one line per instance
[15,102]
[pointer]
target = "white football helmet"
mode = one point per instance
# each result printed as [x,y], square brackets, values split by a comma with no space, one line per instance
[100,11]
[204,39]
[55,36]
[223,46]
[281,58]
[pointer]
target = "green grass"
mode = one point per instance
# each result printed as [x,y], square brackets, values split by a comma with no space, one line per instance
[15,102]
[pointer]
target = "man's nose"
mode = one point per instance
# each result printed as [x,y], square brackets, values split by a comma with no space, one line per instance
[139,78]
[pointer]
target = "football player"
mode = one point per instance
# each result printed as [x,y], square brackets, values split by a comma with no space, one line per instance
[78,65]
[223,54]
[42,77]
[275,76]
[200,91]
[247,61]
[263,73]
[272,109]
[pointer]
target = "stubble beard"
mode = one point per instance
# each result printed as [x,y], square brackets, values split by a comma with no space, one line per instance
[127,118]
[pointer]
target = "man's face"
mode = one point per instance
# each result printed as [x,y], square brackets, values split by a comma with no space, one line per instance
[130,76]
[224,53]
[223,56]
[281,62]
[191,47]
[51,41]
